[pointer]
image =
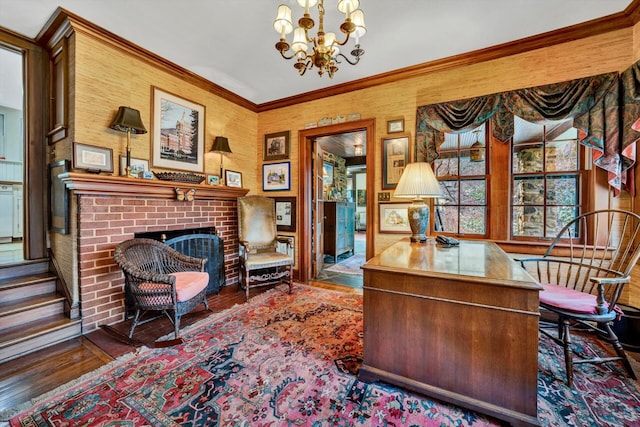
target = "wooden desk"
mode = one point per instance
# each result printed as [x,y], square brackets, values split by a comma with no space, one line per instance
[459,324]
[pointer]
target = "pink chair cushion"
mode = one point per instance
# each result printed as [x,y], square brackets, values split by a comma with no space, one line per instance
[188,285]
[570,299]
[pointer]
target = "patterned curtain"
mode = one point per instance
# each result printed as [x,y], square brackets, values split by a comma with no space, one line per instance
[451,117]
[592,102]
[630,83]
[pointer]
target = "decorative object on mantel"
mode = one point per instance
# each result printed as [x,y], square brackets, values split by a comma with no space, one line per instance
[91,158]
[128,120]
[417,182]
[324,52]
[221,146]
[187,178]
[185,195]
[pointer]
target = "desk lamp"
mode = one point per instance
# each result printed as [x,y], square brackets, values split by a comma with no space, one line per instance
[418,182]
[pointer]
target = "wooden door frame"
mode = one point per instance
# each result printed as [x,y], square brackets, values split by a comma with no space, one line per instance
[35,177]
[305,189]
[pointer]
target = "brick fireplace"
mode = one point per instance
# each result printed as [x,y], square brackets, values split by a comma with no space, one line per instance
[113,209]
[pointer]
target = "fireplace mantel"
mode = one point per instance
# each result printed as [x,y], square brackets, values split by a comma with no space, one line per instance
[86,183]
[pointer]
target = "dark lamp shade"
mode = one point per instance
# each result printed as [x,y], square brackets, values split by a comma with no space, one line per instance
[128,120]
[221,145]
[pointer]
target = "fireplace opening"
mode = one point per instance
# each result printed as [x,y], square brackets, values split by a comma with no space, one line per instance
[200,243]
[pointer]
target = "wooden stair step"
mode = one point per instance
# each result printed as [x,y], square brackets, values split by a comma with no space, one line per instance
[25,338]
[22,311]
[13,288]
[24,268]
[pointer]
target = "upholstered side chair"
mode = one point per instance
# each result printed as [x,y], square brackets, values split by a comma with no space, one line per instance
[593,256]
[260,262]
[161,279]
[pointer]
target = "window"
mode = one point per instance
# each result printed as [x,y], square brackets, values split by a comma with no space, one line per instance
[546,178]
[462,172]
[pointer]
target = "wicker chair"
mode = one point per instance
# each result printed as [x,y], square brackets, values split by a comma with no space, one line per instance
[582,285]
[162,279]
[260,262]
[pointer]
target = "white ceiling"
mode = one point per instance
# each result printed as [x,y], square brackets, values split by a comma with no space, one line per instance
[231,42]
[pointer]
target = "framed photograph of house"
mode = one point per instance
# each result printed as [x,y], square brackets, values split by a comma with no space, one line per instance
[138,166]
[276,146]
[285,213]
[233,178]
[276,176]
[395,156]
[394,218]
[58,198]
[178,132]
[92,158]
[395,126]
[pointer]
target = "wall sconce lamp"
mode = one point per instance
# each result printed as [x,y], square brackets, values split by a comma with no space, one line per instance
[128,120]
[221,145]
[418,182]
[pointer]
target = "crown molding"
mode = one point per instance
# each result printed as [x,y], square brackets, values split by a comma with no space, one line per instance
[62,18]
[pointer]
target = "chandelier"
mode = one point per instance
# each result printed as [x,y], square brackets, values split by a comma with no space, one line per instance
[323,50]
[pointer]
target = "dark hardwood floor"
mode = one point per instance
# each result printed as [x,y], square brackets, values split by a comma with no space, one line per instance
[30,376]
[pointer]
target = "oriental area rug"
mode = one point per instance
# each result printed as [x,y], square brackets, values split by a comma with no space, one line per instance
[291,360]
[350,265]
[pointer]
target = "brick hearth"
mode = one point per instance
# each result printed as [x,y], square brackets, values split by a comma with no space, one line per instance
[113,209]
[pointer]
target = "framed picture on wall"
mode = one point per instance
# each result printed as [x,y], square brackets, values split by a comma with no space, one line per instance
[276,146]
[276,176]
[395,156]
[178,132]
[395,126]
[285,213]
[327,173]
[394,218]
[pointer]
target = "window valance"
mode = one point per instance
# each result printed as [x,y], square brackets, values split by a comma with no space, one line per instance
[605,109]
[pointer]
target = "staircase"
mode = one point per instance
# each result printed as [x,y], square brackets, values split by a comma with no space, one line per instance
[32,311]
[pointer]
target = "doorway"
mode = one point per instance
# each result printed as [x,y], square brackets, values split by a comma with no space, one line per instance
[11,156]
[342,159]
[311,231]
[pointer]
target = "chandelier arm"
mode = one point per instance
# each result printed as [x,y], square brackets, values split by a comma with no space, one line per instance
[346,40]
[359,52]
[293,55]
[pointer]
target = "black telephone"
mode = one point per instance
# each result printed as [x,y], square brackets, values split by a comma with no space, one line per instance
[446,241]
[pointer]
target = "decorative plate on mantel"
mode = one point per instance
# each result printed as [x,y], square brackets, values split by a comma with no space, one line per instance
[187,178]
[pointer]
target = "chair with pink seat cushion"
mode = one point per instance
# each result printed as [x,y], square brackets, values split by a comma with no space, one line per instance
[162,279]
[583,273]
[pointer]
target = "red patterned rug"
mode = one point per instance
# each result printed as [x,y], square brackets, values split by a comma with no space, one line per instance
[290,360]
